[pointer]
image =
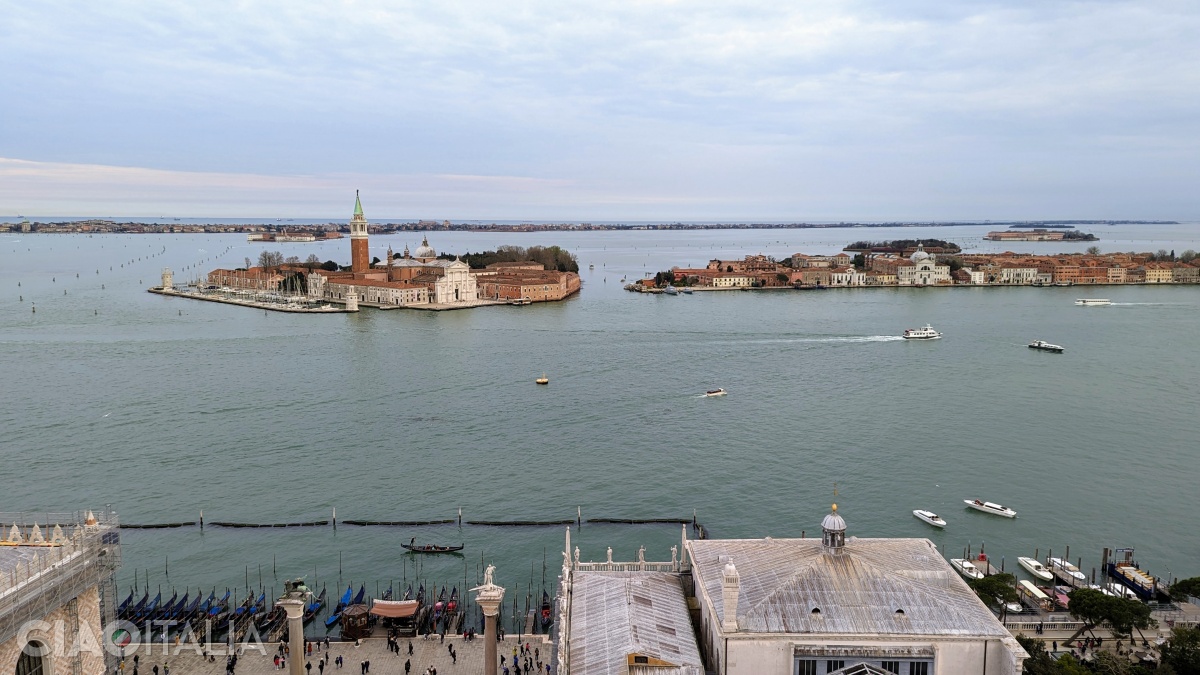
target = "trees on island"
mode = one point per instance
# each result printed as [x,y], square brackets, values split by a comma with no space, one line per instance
[551,257]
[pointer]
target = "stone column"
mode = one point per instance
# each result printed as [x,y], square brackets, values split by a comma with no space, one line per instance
[489,599]
[294,606]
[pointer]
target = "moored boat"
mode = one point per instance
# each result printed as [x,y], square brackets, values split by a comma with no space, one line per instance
[670,290]
[930,517]
[543,379]
[925,333]
[1035,568]
[343,603]
[1042,345]
[990,507]
[966,568]
[1067,572]
[1093,302]
[715,392]
[546,610]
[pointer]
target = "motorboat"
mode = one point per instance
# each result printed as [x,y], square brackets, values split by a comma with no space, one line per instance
[715,392]
[1042,345]
[543,379]
[926,333]
[1067,572]
[670,290]
[990,507]
[966,568]
[1093,302]
[1035,568]
[686,290]
[930,517]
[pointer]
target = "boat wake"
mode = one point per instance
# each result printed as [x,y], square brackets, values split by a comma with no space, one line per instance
[849,339]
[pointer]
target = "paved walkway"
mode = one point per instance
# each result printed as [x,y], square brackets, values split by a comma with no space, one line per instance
[184,660]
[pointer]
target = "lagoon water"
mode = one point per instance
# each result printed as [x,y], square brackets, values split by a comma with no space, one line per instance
[164,407]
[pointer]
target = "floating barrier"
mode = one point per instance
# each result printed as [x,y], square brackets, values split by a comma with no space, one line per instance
[639,521]
[519,523]
[153,526]
[406,523]
[311,523]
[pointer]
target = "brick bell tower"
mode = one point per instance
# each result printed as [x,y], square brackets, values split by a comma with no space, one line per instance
[360,254]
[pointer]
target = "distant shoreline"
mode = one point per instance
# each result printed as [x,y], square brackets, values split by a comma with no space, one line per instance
[96,226]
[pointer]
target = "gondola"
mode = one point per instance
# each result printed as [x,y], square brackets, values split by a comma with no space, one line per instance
[125,605]
[440,605]
[332,620]
[266,620]
[430,548]
[165,609]
[148,611]
[312,608]
[547,610]
[177,609]
[362,593]
[408,593]
[387,595]
[132,611]
[452,603]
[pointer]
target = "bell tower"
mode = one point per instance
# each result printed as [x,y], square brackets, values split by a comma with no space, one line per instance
[360,253]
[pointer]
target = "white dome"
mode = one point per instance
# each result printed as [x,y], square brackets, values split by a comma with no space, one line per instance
[833,523]
[920,256]
[425,250]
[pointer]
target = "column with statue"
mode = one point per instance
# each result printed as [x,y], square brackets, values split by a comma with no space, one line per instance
[295,598]
[489,598]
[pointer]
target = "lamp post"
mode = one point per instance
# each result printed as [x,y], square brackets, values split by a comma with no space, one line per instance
[295,597]
[489,598]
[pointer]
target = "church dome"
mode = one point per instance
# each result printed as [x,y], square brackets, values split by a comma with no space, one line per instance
[425,250]
[833,522]
[920,256]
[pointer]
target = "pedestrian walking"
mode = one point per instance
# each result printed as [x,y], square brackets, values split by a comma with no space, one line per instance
[410,648]
[308,667]
[407,666]
[321,667]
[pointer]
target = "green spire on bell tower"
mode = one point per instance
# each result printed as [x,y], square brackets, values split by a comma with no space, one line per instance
[357,204]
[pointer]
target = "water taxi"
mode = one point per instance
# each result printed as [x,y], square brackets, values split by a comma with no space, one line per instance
[715,392]
[966,568]
[930,517]
[1035,568]
[1093,302]
[926,333]
[990,507]
[670,290]
[1042,345]
[1064,570]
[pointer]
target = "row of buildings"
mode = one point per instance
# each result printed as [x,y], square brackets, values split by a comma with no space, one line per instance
[409,279]
[925,269]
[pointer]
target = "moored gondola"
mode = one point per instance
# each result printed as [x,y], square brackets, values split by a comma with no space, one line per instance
[125,605]
[547,610]
[314,607]
[334,616]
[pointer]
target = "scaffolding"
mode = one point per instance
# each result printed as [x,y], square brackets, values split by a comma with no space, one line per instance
[54,559]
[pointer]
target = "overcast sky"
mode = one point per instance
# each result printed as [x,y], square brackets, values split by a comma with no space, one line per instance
[563,110]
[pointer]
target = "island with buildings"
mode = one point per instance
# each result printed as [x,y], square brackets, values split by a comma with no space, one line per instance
[922,268]
[417,280]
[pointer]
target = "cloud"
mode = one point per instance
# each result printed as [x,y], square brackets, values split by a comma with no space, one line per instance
[623,98]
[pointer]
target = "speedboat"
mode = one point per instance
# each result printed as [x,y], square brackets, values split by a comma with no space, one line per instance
[670,290]
[1089,302]
[1044,346]
[990,507]
[715,392]
[926,333]
[686,290]
[930,517]
[1035,568]
[966,568]
[1068,572]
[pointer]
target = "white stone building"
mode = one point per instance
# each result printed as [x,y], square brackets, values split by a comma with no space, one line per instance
[922,270]
[842,606]
[56,592]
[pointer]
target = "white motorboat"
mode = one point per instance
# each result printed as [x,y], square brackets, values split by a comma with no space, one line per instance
[990,507]
[1064,570]
[926,333]
[1035,568]
[715,392]
[966,568]
[670,290]
[930,517]
[1044,346]
[1093,302]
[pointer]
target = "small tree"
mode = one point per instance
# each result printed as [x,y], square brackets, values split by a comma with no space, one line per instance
[1187,256]
[1182,651]
[293,260]
[270,259]
[312,262]
[781,277]
[1093,250]
[997,589]
[330,266]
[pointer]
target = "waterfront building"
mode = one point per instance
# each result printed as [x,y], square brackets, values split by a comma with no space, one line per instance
[56,592]
[847,276]
[922,270]
[837,605]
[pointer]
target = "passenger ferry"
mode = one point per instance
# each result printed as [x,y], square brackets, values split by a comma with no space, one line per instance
[1088,302]
[990,507]
[926,333]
